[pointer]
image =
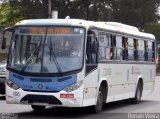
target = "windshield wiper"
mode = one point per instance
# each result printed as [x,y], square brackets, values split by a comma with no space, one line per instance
[29,60]
[52,54]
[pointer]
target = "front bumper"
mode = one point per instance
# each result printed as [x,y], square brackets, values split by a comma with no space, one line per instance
[45,98]
[2,79]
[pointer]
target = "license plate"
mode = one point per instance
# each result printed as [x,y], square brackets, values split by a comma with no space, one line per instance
[70,96]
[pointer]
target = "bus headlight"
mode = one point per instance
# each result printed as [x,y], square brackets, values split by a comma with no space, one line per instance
[2,69]
[74,86]
[12,85]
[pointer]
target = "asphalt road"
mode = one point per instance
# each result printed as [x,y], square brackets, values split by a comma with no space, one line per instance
[149,108]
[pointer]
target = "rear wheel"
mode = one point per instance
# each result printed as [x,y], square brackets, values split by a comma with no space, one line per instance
[38,108]
[138,94]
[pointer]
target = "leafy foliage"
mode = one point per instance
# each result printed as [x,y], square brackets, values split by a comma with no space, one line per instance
[4,12]
[153,28]
[9,16]
[31,8]
[133,12]
[136,12]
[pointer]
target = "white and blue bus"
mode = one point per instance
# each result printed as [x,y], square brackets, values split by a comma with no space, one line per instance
[77,63]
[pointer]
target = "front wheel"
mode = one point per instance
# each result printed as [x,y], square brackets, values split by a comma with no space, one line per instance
[38,108]
[100,98]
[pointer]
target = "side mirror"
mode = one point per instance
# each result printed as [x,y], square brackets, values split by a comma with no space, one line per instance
[9,29]
[3,43]
[95,47]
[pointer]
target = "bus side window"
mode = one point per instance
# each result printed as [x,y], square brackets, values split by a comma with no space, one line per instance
[103,43]
[141,50]
[146,50]
[123,45]
[112,53]
[130,49]
[136,49]
[150,51]
[119,47]
[125,48]
[153,51]
[105,48]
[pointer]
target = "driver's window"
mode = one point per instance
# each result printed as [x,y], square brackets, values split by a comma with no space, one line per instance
[91,57]
[91,54]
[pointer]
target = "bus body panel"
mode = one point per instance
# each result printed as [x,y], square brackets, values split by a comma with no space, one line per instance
[122,86]
[91,86]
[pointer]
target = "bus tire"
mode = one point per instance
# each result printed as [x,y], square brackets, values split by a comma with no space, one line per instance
[138,94]
[100,100]
[38,108]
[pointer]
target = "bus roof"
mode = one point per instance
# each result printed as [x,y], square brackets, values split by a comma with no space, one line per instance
[111,26]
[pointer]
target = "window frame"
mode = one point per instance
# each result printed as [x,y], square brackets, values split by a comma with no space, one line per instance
[143,39]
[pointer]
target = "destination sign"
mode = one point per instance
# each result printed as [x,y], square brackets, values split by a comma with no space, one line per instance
[50,30]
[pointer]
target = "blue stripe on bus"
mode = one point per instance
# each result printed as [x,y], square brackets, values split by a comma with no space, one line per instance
[42,84]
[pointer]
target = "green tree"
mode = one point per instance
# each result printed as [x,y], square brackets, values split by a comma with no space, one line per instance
[31,9]
[9,16]
[134,12]
[74,9]
[153,28]
[100,11]
[4,12]
[83,9]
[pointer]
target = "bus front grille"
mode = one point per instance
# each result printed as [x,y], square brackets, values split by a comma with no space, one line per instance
[41,99]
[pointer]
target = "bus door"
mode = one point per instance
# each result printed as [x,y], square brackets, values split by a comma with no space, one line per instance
[92,48]
[91,68]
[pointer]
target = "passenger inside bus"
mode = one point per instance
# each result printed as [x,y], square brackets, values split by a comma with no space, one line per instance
[111,54]
[76,50]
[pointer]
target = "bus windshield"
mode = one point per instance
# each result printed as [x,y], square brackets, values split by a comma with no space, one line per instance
[47,49]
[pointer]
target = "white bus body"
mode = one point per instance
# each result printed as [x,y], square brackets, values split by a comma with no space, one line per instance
[119,76]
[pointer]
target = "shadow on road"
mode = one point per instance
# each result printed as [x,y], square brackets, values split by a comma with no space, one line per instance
[126,106]
[110,110]
[2,98]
